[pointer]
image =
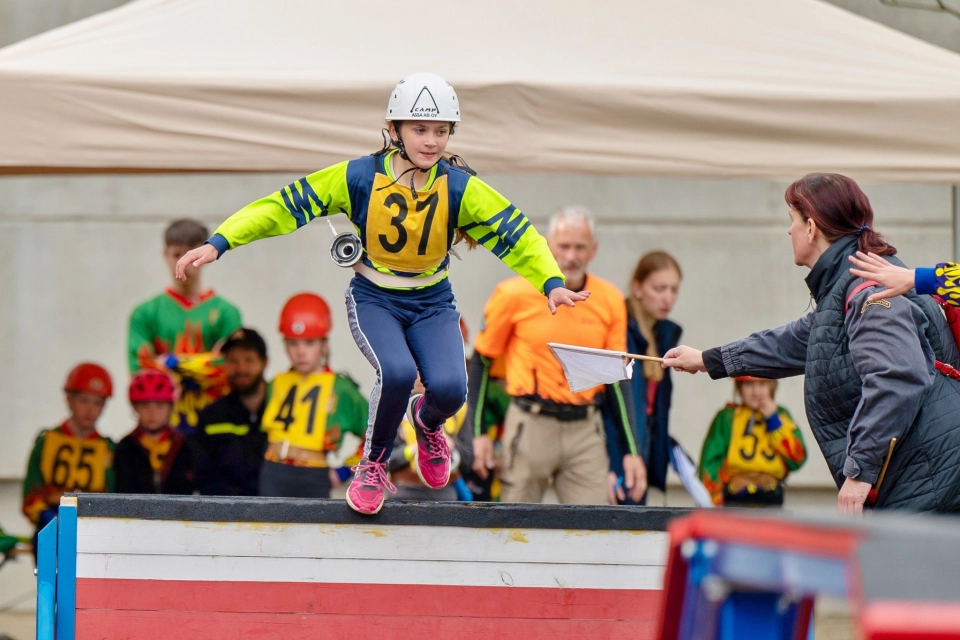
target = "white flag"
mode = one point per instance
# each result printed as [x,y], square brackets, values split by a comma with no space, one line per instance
[587,368]
[683,464]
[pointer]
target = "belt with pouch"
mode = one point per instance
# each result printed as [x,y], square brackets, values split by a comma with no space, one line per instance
[550,409]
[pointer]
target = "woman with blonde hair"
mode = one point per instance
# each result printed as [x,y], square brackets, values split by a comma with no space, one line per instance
[654,288]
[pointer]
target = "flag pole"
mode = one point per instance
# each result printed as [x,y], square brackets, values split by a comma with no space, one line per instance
[638,357]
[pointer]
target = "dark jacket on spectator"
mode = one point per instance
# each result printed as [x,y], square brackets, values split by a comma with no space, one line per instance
[870,377]
[230,446]
[654,438]
[131,465]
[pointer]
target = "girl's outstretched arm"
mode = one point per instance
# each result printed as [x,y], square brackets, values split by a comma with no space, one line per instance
[490,219]
[320,194]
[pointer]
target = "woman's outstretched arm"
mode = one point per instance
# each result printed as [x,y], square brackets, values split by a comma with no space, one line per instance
[773,353]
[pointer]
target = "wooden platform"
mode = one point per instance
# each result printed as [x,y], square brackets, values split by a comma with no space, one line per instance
[192,567]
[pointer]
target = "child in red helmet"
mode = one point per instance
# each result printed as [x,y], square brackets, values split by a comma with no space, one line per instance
[153,458]
[312,411]
[73,456]
[751,447]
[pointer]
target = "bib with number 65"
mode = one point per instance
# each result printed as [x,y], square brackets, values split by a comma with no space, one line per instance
[74,464]
[404,233]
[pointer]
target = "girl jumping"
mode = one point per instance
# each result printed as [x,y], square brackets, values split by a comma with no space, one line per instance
[409,204]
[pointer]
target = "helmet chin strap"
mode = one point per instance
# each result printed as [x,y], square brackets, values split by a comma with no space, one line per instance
[402,151]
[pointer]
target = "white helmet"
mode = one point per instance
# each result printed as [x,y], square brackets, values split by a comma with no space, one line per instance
[423,96]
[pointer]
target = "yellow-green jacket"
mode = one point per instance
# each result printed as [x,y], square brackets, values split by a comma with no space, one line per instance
[404,232]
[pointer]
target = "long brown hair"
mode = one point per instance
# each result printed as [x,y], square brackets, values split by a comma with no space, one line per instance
[840,208]
[648,265]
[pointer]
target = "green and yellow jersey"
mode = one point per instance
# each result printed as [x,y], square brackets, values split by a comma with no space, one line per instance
[743,447]
[313,411]
[178,334]
[63,463]
[403,232]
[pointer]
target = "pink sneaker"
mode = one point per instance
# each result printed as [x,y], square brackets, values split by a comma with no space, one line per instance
[365,494]
[432,459]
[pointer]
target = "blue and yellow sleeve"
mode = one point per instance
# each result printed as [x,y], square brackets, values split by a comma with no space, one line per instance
[320,194]
[490,219]
[942,280]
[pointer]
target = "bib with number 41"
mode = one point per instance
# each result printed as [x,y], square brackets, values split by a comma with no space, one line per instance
[298,410]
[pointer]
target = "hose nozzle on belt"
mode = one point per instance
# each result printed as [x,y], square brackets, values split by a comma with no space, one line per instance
[345,250]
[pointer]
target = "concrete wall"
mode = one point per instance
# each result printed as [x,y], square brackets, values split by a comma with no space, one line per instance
[20,19]
[937,27]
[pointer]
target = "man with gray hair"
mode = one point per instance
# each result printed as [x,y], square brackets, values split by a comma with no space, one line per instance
[551,433]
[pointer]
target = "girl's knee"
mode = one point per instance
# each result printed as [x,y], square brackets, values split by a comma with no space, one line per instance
[448,395]
[398,378]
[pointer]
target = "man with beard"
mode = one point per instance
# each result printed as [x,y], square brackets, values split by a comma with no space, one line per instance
[551,433]
[229,441]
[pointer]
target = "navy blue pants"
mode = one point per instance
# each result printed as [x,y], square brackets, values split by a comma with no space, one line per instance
[403,332]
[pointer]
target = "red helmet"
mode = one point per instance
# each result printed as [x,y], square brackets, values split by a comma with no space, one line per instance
[152,385]
[306,315]
[750,379]
[88,377]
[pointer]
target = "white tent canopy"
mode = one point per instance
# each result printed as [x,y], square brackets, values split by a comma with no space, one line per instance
[759,88]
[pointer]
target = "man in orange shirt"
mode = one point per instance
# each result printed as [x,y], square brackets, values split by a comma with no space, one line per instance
[550,432]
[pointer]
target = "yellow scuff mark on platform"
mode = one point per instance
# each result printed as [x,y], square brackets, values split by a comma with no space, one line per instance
[377,533]
[273,527]
[516,535]
[326,528]
[512,535]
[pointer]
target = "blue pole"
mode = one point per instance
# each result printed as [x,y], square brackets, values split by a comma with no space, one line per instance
[67,569]
[46,580]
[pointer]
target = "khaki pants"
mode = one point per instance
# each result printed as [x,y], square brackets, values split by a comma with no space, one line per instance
[537,448]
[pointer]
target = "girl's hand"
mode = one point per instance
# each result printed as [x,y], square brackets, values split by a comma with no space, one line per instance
[853,494]
[197,258]
[684,358]
[870,266]
[561,296]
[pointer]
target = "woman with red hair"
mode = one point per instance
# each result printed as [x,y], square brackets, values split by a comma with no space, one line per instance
[883,413]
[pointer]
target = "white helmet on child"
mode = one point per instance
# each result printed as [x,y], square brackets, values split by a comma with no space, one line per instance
[423,96]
